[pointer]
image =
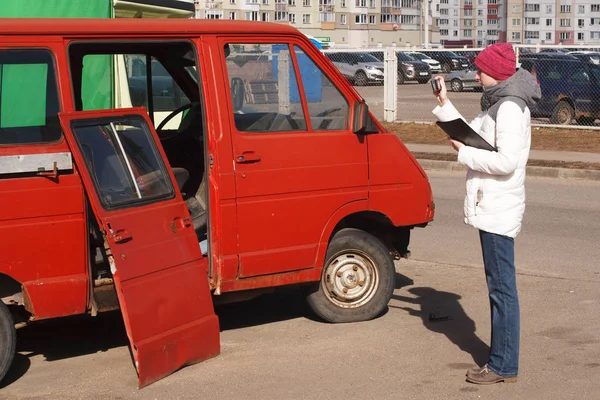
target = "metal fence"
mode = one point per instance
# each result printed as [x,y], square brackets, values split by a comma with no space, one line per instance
[395,82]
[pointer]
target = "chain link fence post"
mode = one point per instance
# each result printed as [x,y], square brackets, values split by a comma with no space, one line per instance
[390,87]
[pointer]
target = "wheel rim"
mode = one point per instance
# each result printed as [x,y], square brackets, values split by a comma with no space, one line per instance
[350,279]
[361,79]
[563,115]
[456,86]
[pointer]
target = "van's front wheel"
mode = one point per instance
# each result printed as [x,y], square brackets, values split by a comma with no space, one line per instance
[357,280]
[8,340]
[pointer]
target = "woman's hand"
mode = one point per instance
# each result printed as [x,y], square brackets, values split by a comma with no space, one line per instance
[442,95]
[456,145]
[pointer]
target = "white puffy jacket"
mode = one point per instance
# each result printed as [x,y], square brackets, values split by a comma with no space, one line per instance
[495,195]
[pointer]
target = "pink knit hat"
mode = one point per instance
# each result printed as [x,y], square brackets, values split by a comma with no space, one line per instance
[498,61]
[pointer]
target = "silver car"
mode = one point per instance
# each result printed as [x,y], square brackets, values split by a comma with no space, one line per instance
[434,65]
[457,81]
[358,67]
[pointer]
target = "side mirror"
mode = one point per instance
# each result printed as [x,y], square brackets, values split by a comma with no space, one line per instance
[237,93]
[362,124]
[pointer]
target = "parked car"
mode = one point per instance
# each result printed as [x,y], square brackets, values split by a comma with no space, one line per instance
[409,69]
[465,79]
[449,60]
[591,57]
[570,90]
[359,68]
[471,55]
[434,65]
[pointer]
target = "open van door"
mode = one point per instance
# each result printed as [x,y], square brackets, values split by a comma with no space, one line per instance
[158,269]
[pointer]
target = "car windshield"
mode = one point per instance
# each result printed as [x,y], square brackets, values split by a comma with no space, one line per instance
[404,57]
[362,57]
[418,56]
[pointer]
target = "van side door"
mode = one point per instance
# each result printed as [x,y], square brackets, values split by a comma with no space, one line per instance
[159,273]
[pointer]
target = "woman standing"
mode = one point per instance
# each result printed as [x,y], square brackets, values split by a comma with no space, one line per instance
[495,193]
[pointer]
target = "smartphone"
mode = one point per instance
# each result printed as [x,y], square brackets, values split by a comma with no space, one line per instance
[435,84]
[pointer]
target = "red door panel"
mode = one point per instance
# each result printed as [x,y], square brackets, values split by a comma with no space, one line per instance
[159,272]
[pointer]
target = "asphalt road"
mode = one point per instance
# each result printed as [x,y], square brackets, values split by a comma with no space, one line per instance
[272,348]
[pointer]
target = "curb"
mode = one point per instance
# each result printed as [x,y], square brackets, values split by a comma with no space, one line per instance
[545,172]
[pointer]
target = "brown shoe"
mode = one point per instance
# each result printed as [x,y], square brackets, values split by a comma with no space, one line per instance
[483,376]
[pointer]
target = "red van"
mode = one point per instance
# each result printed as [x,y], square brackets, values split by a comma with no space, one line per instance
[156,165]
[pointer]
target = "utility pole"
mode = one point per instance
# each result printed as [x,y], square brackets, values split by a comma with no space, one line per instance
[427,2]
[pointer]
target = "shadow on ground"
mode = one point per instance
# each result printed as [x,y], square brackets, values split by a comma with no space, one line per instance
[441,312]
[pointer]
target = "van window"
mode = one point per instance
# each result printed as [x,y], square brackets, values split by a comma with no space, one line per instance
[327,107]
[166,93]
[122,160]
[29,103]
[264,88]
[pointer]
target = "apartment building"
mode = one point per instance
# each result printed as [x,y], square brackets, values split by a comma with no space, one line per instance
[342,23]
[553,22]
[471,23]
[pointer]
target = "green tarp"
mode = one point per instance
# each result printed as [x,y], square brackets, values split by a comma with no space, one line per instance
[97,84]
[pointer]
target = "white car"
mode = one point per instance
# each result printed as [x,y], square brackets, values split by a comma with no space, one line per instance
[434,65]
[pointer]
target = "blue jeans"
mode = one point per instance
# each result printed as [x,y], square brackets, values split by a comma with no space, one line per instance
[499,260]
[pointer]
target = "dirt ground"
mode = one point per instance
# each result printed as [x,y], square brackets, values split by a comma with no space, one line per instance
[578,140]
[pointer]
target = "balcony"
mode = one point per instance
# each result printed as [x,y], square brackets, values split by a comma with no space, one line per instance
[326,7]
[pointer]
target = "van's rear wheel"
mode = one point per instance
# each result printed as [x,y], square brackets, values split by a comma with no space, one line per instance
[8,340]
[357,280]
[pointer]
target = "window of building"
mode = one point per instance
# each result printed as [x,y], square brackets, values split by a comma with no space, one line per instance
[492,32]
[549,9]
[371,3]
[516,21]
[469,12]
[213,14]
[565,35]
[444,32]
[565,9]
[565,22]
[443,21]
[581,23]
[306,18]
[516,36]
[532,35]
[264,17]
[532,7]
[532,21]
[251,16]
[467,32]
[455,33]
[594,35]
[492,22]
[548,22]
[360,3]
[306,3]
[516,9]
[361,18]
[548,35]
[292,18]
[580,36]
[372,19]
[595,7]
[493,11]
[581,9]
[480,13]
[232,15]
[326,17]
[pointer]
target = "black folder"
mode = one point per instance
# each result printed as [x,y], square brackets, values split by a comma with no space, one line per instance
[459,130]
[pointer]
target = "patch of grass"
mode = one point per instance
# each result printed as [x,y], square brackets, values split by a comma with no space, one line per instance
[580,140]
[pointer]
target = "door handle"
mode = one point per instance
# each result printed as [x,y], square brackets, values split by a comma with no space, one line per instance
[121,236]
[247,157]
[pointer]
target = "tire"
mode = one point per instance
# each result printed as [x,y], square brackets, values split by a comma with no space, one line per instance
[400,79]
[446,68]
[562,114]
[8,340]
[354,256]
[456,85]
[360,79]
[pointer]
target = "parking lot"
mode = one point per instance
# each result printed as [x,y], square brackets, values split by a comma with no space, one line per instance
[436,326]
